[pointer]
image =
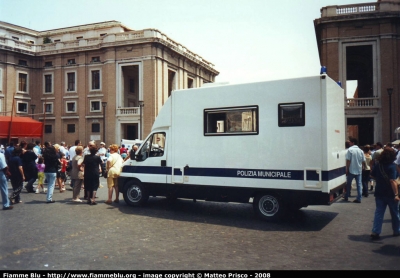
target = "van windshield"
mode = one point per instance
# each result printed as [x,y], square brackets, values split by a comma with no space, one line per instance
[152,147]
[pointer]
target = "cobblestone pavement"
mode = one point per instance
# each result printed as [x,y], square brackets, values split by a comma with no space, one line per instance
[187,235]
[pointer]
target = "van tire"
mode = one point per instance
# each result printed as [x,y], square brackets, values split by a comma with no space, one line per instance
[269,206]
[135,193]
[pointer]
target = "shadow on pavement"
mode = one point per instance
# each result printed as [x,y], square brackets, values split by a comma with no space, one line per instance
[227,214]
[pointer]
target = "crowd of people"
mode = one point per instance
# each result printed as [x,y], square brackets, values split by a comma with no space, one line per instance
[50,164]
[379,164]
[374,168]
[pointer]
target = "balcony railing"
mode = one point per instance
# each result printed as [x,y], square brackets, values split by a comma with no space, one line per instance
[387,6]
[128,111]
[372,102]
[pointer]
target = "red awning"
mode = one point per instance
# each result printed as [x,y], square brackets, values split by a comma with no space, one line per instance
[20,127]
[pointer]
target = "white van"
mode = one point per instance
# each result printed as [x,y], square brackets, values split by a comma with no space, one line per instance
[130,143]
[278,144]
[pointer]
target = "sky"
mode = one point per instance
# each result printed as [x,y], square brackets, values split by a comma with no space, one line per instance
[246,40]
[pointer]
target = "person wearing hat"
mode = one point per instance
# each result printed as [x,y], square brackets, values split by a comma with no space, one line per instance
[102,152]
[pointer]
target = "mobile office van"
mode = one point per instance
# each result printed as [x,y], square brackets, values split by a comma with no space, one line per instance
[130,143]
[279,144]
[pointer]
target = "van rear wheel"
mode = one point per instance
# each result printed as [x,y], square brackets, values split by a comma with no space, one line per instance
[269,206]
[135,194]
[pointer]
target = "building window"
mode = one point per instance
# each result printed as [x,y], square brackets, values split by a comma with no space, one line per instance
[22,63]
[132,85]
[22,107]
[95,106]
[102,35]
[23,82]
[71,106]
[96,59]
[48,83]
[95,79]
[95,127]
[231,121]
[71,80]
[291,114]
[57,40]
[190,83]
[80,37]
[48,128]
[48,108]
[15,38]
[71,62]
[171,82]
[70,128]
[48,64]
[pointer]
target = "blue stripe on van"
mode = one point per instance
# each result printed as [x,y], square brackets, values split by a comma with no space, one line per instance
[238,173]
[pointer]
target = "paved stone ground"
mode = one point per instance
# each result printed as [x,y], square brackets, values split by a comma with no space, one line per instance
[187,235]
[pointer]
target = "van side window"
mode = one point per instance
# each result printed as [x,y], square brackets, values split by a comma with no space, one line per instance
[291,114]
[153,146]
[231,121]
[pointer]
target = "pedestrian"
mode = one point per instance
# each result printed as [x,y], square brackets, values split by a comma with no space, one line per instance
[92,168]
[51,163]
[58,174]
[102,152]
[76,174]
[29,164]
[123,151]
[17,175]
[366,171]
[8,152]
[354,164]
[386,192]
[63,170]
[37,149]
[40,166]
[114,165]
[3,183]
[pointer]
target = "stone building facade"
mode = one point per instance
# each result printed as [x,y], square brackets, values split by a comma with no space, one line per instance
[100,81]
[359,45]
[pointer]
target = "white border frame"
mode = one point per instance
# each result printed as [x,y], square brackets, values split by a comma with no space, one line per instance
[52,108]
[90,79]
[66,81]
[66,106]
[27,82]
[27,107]
[96,100]
[44,83]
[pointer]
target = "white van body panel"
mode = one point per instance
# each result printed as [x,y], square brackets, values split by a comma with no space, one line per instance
[309,158]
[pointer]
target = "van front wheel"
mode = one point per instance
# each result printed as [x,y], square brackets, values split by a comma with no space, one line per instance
[135,194]
[268,206]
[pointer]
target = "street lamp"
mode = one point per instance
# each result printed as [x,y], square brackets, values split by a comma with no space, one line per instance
[104,104]
[33,106]
[390,92]
[141,104]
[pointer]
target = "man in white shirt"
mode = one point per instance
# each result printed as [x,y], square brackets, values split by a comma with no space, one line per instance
[72,152]
[354,163]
